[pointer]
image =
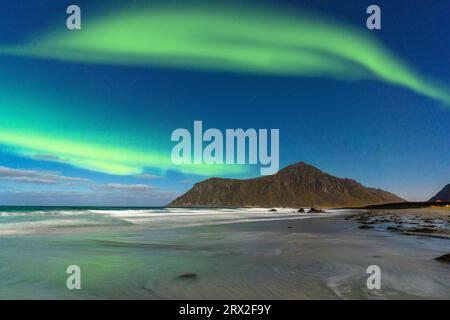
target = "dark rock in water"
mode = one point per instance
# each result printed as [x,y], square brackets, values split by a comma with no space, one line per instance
[289,227]
[365,227]
[393,228]
[273,210]
[423,230]
[301,210]
[368,222]
[445,258]
[188,275]
[315,210]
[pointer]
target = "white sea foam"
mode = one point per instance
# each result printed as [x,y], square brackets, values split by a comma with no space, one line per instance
[49,220]
[37,226]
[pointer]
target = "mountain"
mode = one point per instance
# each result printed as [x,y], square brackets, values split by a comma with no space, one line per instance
[294,186]
[443,195]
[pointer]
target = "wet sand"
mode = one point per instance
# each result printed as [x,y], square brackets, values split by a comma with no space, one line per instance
[317,258]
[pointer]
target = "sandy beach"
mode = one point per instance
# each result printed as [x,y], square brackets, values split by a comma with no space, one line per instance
[286,258]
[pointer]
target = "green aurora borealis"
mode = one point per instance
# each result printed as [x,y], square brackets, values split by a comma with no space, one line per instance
[256,41]
[235,40]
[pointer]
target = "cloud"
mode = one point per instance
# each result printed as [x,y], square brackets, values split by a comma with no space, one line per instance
[47,157]
[110,194]
[39,177]
[86,198]
[148,176]
[126,187]
[235,40]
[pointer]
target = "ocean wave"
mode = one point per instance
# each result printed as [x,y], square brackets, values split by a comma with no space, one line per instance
[19,222]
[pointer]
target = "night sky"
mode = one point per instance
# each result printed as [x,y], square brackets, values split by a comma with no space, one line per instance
[86,115]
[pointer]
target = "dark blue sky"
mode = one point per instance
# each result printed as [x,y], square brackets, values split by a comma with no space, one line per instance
[380,134]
